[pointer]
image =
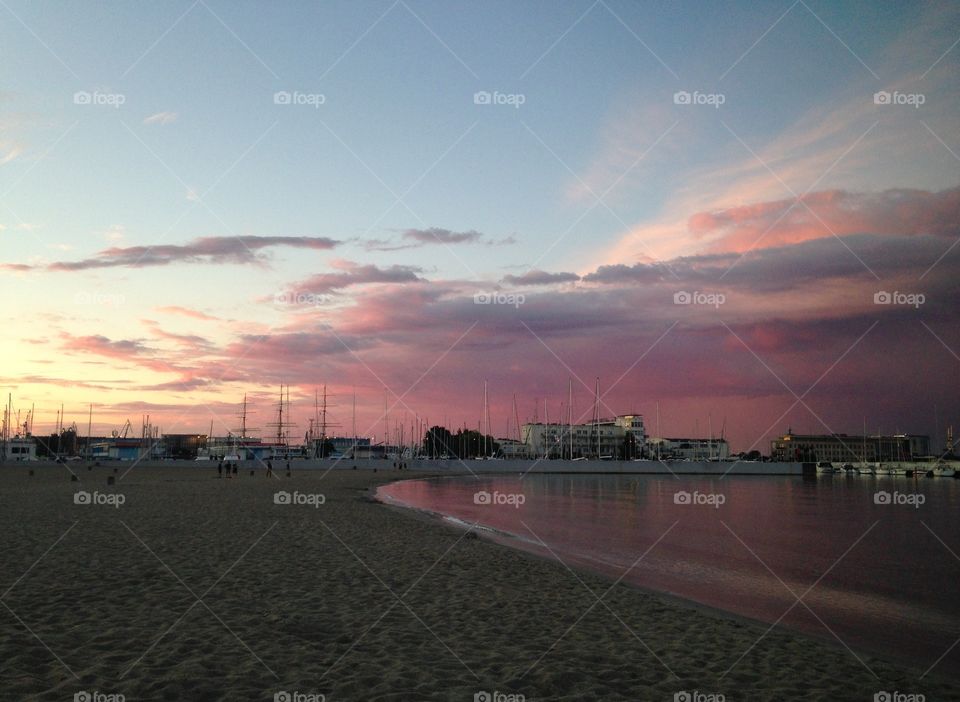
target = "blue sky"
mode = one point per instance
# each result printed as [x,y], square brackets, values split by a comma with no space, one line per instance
[199,148]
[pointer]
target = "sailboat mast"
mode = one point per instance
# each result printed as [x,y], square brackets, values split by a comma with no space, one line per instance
[596,414]
[659,435]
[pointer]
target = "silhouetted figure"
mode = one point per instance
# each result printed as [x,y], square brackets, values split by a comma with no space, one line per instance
[235,468]
[269,469]
[220,469]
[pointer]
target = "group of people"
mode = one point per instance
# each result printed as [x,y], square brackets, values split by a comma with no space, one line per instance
[231,468]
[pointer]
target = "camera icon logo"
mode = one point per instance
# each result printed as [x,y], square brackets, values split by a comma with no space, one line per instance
[682,498]
[682,298]
[681,97]
[82,498]
[482,696]
[282,498]
[282,696]
[882,696]
[482,97]
[882,297]
[482,498]
[682,696]
[281,97]
[81,97]
[82,696]
[881,97]
[882,498]
[482,298]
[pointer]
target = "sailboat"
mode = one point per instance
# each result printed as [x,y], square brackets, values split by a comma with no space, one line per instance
[943,470]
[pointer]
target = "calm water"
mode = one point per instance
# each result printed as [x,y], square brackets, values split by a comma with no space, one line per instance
[880,579]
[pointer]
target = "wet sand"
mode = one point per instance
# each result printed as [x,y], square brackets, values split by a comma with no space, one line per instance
[199,588]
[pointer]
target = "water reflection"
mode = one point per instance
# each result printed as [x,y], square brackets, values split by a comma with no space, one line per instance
[874,573]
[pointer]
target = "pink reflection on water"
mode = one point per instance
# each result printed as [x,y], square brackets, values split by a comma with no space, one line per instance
[750,546]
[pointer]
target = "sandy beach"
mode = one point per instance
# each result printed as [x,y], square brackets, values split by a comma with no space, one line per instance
[176,585]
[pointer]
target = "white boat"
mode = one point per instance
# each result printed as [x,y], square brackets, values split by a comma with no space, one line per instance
[944,471]
[900,469]
[826,467]
[865,469]
[885,469]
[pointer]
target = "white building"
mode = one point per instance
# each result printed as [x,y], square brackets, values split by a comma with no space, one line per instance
[20,449]
[620,437]
[688,449]
[511,448]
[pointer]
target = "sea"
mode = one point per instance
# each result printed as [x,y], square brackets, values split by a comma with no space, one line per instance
[871,564]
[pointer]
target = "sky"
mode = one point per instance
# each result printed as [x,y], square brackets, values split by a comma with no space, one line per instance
[737,218]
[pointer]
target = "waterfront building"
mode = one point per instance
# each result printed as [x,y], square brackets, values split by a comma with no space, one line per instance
[688,449]
[127,449]
[622,436]
[20,449]
[184,445]
[845,448]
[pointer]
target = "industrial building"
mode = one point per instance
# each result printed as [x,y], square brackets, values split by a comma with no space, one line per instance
[184,445]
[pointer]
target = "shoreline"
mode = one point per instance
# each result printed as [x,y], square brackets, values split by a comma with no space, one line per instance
[505,539]
[353,599]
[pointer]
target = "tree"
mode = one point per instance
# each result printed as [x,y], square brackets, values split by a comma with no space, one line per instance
[438,441]
[629,449]
[466,443]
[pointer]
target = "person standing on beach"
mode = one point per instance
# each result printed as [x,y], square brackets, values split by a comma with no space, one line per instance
[220,469]
[235,468]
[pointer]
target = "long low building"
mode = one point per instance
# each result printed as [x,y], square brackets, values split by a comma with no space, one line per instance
[688,449]
[845,448]
[127,449]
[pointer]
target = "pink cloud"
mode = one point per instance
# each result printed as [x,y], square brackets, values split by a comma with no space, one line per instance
[187,312]
[352,274]
[825,213]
